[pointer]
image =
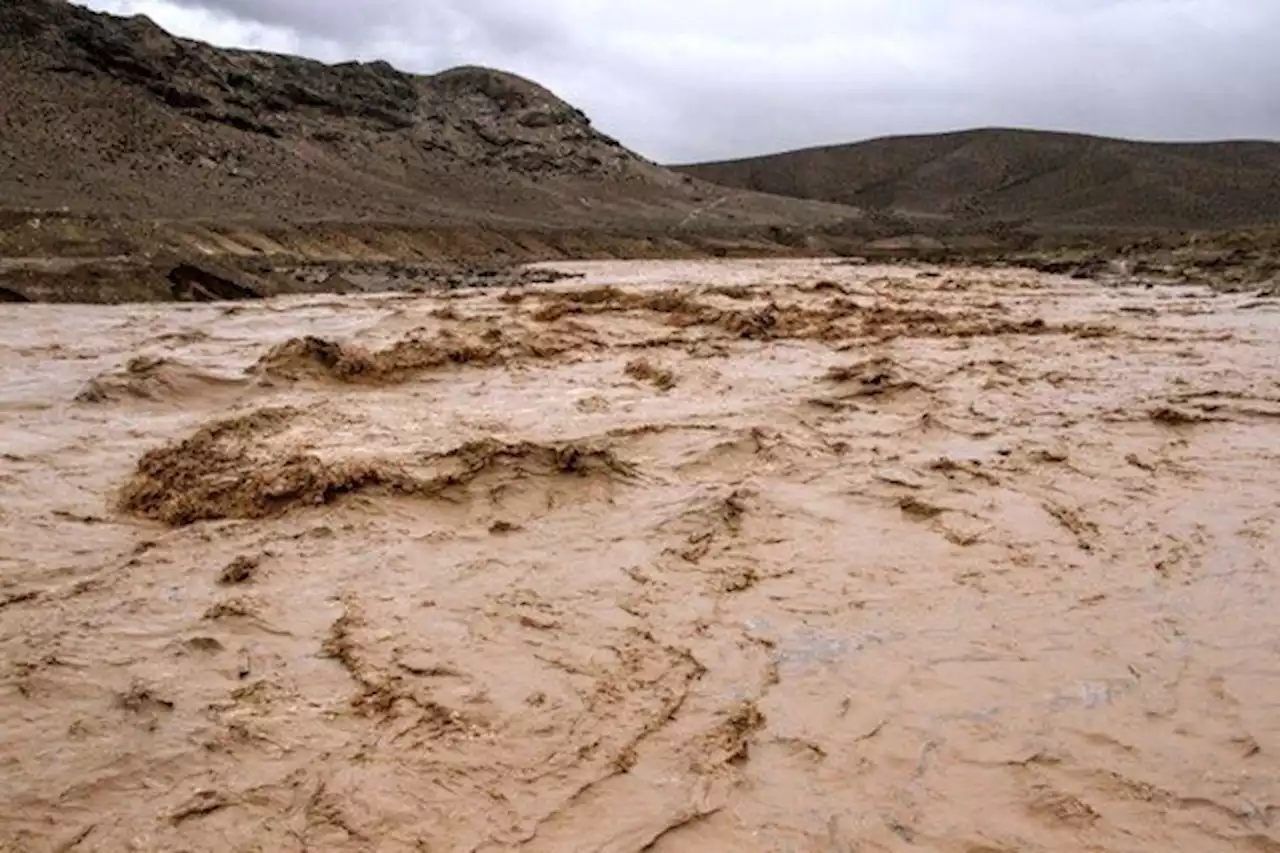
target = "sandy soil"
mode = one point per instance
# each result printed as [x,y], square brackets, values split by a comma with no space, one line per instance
[683,556]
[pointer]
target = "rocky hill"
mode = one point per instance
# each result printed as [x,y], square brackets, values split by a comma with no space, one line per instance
[116,117]
[1046,179]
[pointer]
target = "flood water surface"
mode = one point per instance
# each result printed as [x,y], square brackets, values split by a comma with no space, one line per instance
[724,556]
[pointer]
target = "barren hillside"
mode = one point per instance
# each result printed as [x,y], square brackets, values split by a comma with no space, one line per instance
[115,117]
[1049,179]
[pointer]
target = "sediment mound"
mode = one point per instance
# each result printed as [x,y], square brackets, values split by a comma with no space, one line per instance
[158,380]
[228,469]
[318,359]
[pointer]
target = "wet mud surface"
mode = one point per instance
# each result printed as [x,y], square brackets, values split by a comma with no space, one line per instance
[679,556]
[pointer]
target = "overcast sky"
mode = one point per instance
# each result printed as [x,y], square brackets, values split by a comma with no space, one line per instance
[685,80]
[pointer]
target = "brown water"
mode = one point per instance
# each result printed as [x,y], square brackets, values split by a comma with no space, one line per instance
[885,565]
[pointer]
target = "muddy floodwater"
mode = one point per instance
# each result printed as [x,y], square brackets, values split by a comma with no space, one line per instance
[724,556]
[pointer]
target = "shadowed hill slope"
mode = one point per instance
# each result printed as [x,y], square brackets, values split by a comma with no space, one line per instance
[1047,179]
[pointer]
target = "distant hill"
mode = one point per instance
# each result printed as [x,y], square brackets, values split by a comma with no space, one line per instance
[1046,179]
[113,116]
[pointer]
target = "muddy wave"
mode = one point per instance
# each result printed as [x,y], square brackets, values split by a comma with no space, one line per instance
[227,469]
[158,380]
[319,359]
[833,319]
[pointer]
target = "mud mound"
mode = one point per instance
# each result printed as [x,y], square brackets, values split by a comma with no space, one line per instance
[227,470]
[157,380]
[318,359]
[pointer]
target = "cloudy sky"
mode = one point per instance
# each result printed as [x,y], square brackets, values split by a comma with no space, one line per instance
[685,80]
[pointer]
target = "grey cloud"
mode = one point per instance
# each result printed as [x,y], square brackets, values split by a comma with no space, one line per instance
[692,79]
[477,24]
